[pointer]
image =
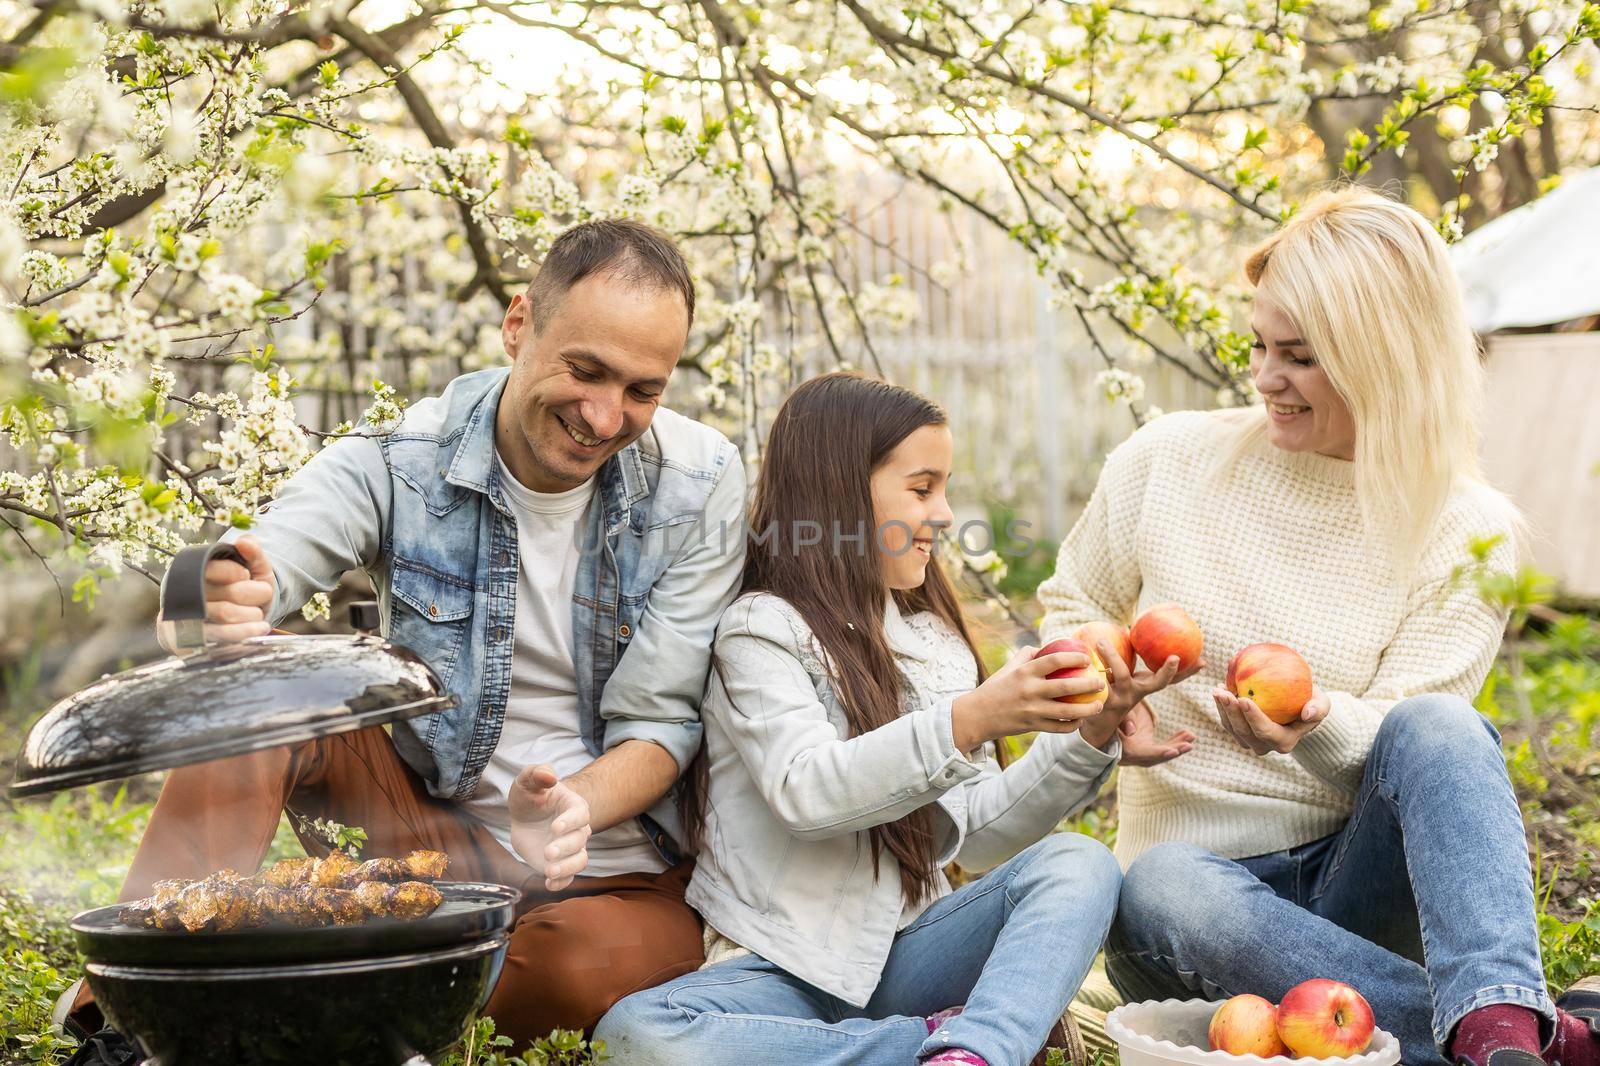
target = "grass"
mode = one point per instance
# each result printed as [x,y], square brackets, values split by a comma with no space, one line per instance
[61,857]
[70,852]
[482,1047]
[1544,696]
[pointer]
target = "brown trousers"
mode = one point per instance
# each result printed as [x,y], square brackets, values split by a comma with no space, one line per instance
[572,955]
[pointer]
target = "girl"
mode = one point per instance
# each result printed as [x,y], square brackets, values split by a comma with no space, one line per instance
[848,753]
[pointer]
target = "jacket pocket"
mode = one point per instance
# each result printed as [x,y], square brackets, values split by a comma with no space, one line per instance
[431,594]
[430,614]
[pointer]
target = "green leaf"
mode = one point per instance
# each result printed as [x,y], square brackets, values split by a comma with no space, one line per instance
[35,74]
[86,588]
[516,134]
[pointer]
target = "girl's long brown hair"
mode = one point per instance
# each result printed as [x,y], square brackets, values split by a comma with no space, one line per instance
[826,441]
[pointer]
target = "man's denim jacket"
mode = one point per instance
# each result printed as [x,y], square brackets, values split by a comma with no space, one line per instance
[422,511]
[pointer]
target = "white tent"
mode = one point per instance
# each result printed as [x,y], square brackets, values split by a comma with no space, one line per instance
[1537,265]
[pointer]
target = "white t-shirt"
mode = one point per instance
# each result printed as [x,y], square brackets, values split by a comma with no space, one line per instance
[541,723]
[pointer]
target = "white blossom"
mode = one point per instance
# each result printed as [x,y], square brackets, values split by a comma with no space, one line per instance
[307,251]
[234,295]
[1120,385]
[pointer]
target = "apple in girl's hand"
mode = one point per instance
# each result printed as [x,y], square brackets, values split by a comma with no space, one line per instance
[1071,644]
[1323,1019]
[1164,631]
[1092,633]
[1274,677]
[1246,1025]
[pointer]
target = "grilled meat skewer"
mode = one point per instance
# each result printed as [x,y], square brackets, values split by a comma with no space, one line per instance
[334,890]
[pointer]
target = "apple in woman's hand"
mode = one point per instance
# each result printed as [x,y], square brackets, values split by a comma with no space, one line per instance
[1246,1025]
[1323,1019]
[1274,677]
[1073,644]
[1164,631]
[1092,633]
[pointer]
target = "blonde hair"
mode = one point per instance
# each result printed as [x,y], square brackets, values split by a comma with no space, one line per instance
[1369,284]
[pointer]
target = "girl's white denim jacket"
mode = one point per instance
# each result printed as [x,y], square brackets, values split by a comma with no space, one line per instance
[785,867]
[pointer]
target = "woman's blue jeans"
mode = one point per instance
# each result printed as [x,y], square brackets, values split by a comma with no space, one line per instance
[1423,902]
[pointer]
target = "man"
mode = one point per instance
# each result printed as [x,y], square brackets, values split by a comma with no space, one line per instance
[559,548]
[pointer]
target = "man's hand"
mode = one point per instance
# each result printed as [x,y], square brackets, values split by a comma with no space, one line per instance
[1254,730]
[549,826]
[1142,744]
[238,597]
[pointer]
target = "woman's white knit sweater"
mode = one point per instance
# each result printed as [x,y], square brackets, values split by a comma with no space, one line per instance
[1270,549]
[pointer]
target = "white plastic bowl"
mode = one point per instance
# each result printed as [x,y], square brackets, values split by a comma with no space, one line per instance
[1174,1031]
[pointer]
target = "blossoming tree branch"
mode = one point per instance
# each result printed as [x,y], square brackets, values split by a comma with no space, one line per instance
[186,187]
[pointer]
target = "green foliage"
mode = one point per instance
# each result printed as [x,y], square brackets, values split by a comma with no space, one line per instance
[1551,685]
[30,79]
[72,851]
[60,857]
[481,1046]
[1516,592]
[1544,695]
[1024,569]
[1057,1057]
[1571,949]
[1522,764]
[36,960]
[1099,820]
[29,985]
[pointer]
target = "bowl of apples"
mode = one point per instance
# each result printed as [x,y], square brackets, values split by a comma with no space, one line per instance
[1318,1019]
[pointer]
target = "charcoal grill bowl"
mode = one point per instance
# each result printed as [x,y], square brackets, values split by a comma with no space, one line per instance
[376,993]
[380,1011]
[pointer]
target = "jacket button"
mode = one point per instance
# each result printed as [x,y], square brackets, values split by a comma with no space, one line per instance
[624,630]
[433,610]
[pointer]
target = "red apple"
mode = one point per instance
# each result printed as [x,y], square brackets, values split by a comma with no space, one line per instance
[1324,1019]
[1064,644]
[1092,633]
[1274,677]
[1246,1025]
[1164,631]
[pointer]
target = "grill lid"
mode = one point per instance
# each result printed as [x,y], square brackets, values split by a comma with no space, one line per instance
[225,699]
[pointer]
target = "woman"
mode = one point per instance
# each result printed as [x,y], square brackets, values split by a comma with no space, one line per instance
[847,739]
[1376,839]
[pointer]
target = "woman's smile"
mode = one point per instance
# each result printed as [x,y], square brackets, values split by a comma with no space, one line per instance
[1287,412]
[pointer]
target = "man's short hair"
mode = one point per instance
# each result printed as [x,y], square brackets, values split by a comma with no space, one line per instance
[632,252]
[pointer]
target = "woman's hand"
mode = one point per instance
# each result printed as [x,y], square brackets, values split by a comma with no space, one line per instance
[1252,728]
[1129,689]
[1131,686]
[1021,698]
[1143,746]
